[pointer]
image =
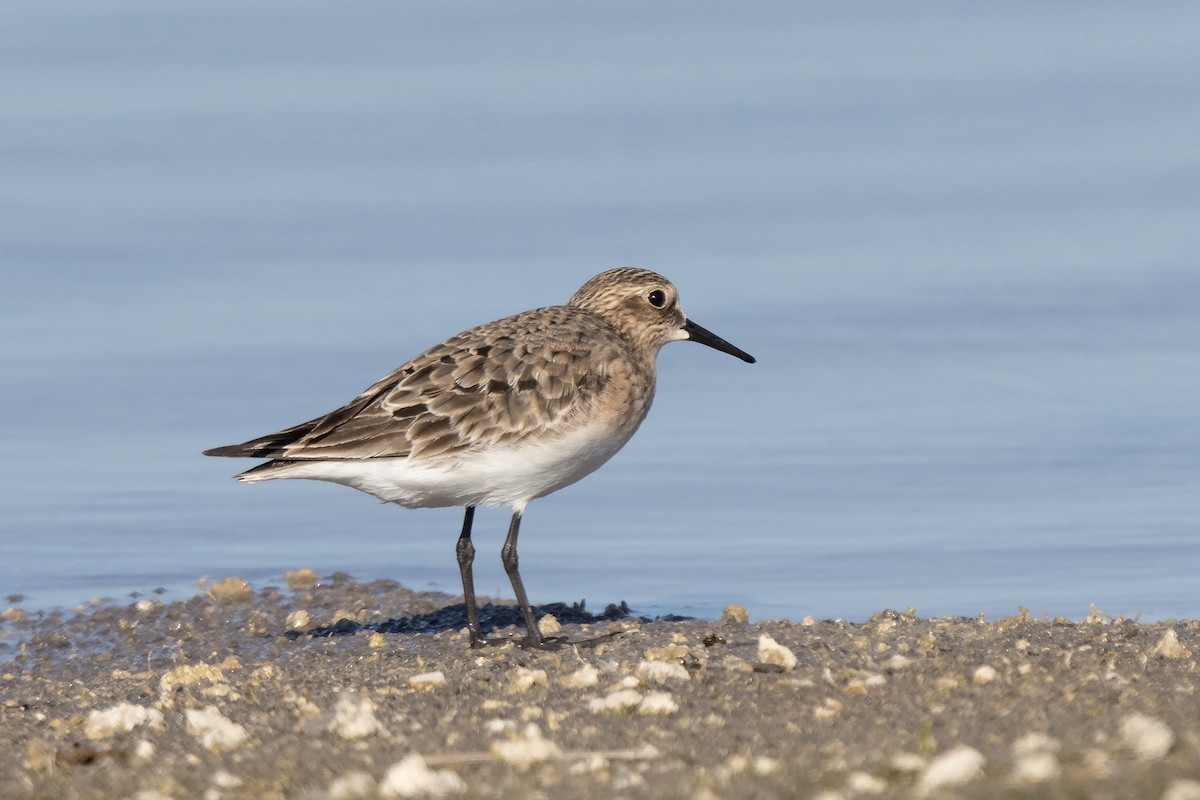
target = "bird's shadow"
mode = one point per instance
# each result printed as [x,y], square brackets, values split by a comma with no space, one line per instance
[491,617]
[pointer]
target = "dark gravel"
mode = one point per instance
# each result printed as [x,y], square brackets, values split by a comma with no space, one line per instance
[308,693]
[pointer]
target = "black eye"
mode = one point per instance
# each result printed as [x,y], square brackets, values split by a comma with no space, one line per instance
[657,298]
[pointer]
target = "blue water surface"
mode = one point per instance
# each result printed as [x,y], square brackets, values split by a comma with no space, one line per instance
[961,240]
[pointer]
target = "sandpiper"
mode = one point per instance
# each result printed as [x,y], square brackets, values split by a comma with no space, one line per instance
[498,415]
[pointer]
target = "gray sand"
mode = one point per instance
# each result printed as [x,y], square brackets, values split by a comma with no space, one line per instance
[233,696]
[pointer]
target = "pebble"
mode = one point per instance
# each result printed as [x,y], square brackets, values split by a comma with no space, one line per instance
[526,749]
[1148,738]
[225,780]
[1036,768]
[827,710]
[186,675]
[264,672]
[763,765]
[1182,789]
[143,750]
[736,763]
[736,664]
[865,783]
[525,679]
[412,777]
[549,625]
[907,763]
[673,653]
[616,702]
[232,589]
[985,674]
[298,620]
[213,730]
[1169,647]
[354,717]
[303,578]
[351,786]
[658,703]
[661,672]
[959,765]
[772,652]
[427,680]
[1035,759]
[120,718]
[735,613]
[585,676]
[494,726]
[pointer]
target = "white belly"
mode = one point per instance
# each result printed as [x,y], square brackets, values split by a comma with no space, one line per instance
[504,475]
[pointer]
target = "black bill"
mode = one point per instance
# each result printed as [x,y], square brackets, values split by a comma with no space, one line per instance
[704,336]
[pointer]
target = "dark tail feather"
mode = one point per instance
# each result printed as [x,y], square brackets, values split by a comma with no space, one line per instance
[269,446]
[275,445]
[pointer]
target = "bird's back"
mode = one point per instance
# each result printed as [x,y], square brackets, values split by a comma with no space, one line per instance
[535,374]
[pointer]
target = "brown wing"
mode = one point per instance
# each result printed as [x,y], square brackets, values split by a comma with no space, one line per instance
[499,382]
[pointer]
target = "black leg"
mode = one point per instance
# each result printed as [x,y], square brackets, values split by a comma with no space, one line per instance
[508,556]
[466,555]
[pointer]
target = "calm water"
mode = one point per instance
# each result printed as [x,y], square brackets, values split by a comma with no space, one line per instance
[962,242]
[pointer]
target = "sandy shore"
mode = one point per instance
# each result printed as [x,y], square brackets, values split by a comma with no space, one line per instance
[330,689]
